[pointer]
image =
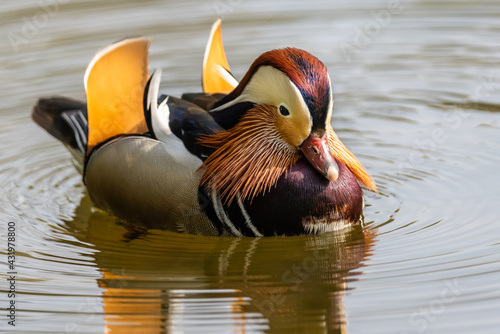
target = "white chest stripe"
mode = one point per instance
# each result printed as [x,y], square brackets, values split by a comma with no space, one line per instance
[248,221]
[221,214]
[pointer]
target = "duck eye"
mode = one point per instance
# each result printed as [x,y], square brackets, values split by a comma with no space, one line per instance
[283,110]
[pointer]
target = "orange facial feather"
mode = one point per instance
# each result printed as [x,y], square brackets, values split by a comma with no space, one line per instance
[250,157]
[341,153]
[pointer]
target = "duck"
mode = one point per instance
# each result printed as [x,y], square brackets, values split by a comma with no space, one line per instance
[251,158]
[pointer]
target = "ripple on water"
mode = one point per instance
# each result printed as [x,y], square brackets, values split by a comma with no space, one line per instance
[418,106]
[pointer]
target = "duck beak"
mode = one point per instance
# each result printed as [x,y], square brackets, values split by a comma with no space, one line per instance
[318,153]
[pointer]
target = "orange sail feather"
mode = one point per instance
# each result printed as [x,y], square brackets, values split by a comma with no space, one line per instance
[114,83]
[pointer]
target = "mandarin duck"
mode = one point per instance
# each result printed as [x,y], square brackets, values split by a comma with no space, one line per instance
[254,158]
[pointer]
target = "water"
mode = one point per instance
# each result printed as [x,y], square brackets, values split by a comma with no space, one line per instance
[417,99]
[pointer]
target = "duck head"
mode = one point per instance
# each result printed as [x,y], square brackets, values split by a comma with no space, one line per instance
[280,111]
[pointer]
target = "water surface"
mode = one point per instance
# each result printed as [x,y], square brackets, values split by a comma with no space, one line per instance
[417,99]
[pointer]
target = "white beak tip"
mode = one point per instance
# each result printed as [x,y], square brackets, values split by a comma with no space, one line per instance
[332,173]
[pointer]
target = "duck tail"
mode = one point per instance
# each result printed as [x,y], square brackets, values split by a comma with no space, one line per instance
[63,118]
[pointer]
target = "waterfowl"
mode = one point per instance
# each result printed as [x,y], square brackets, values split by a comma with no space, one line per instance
[254,158]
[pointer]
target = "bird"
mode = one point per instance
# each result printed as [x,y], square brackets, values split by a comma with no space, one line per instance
[251,158]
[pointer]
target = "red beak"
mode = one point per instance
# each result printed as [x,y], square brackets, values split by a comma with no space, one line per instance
[318,153]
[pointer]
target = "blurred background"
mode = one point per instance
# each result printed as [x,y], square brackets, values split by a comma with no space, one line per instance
[417,100]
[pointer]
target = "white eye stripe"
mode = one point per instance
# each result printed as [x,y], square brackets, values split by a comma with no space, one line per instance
[269,85]
[302,103]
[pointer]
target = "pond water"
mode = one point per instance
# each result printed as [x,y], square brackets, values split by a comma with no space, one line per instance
[417,99]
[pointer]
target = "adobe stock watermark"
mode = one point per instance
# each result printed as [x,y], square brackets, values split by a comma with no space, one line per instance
[31,25]
[421,319]
[93,306]
[225,6]
[452,120]
[363,36]
[295,277]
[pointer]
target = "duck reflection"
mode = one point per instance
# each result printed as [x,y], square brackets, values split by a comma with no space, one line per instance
[163,282]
